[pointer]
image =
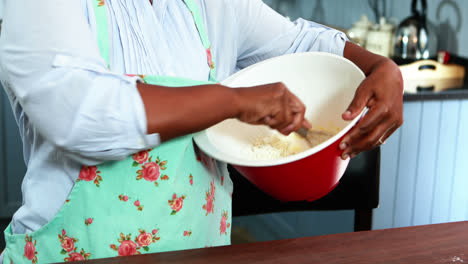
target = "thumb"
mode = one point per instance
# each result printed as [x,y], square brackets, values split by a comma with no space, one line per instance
[306,124]
[361,98]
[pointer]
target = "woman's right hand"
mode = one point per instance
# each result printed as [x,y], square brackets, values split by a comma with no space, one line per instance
[272,105]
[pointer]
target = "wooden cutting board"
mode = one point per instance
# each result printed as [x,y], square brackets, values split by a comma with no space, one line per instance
[429,75]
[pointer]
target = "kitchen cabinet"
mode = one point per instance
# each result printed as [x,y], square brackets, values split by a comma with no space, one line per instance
[424,171]
[12,166]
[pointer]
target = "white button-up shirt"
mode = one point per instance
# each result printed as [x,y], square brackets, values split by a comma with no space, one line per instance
[72,110]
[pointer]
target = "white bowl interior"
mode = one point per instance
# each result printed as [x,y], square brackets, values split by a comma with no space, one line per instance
[324,82]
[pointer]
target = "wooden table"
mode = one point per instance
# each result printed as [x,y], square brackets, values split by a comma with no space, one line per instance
[441,243]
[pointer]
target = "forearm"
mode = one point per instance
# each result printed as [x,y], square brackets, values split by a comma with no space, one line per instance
[172,112]
[365,60]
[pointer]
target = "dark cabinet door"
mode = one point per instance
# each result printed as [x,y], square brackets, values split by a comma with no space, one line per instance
[12,166]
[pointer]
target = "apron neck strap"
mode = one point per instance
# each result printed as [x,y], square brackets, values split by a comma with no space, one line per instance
[100,12]
[197,18]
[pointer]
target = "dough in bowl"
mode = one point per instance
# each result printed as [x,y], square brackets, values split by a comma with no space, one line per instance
[276,145]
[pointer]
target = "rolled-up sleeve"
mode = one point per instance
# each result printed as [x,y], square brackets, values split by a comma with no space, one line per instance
[50,64]
[263,34]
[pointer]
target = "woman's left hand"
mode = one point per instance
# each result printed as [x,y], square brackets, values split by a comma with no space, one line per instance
[382,93]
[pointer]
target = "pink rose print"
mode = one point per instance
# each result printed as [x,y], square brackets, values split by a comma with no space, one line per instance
[90,173]
[210,198]
[224,225]
[212,188]
[68,244]
[123,197]
[77,256]
[210,58]
[138,205]
[187,233]
[88,221]
[209,205]
[30,249]
[74,257]
[69,247]
[145,239]
[140,157]
[176,203]
[151,171]
[139,75]
[128,247]
[191,179]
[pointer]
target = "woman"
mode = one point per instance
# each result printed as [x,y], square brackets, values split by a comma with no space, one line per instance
[92,190]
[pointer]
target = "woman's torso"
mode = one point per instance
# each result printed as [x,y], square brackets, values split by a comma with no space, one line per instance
[157,40]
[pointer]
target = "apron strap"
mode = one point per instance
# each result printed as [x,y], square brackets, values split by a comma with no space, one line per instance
[193,7]
[100,12]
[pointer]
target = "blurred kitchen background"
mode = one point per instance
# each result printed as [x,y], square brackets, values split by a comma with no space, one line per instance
[424,166]
[445,17]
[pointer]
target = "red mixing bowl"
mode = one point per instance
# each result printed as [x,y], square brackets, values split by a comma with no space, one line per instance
[326,84]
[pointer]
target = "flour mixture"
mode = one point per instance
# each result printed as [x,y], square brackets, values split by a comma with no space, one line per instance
[277,145]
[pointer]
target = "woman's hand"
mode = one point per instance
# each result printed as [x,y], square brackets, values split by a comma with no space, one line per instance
[272,105]
[382,93]
[175,112]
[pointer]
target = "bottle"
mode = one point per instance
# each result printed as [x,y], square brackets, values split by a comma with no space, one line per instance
[381,38]
[358,33]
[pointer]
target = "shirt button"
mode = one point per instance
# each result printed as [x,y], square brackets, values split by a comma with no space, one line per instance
[141,143]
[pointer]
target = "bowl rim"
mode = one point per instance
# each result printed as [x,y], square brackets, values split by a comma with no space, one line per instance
[203,135]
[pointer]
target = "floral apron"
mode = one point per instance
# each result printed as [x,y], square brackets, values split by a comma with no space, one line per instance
[172,197]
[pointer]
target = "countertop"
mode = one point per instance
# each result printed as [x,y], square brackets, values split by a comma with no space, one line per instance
[454,94]
[438,243]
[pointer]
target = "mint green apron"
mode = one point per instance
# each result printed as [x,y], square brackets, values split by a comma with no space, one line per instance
[172,197]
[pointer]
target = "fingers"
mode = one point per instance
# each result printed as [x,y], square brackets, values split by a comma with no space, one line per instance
[275,106]
[293,114]
[297,108]
[370,121]
[387,134]
[288,113]
[358,142]
[294,125]
[361,98]
[306,124]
